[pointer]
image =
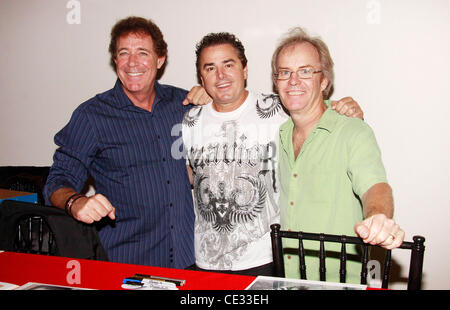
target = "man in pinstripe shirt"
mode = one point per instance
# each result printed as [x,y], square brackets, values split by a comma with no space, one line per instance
[122,138]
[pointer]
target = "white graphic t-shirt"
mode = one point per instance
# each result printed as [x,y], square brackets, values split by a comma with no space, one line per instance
[234,159]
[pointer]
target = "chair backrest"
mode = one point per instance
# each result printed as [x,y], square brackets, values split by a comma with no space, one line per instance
[34,236]
[33,228]
[415,268]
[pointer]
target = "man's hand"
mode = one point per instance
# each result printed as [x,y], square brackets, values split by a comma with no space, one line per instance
[380,230]
[197,96]
[92,209]
[347,106]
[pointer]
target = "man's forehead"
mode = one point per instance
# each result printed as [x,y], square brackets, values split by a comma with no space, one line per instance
[220,52]
[139,38]
[302,53]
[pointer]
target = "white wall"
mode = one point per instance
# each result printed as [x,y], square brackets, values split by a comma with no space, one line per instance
[392,56]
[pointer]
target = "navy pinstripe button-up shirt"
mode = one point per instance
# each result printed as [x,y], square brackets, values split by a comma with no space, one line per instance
[127,151]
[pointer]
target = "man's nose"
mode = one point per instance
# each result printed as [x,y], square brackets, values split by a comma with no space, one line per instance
[132,60]
[220,73]
[294,79]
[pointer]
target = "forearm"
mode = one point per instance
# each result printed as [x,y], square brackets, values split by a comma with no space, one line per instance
[60,197]
[378,200]
[378,226]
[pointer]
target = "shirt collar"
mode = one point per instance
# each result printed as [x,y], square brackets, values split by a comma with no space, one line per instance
[327,122]
[286,132]
[123,101]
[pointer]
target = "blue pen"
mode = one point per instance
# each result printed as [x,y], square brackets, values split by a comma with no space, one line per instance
[132,281]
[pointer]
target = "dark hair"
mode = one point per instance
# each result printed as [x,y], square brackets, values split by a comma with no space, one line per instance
[218,38]
[138,25]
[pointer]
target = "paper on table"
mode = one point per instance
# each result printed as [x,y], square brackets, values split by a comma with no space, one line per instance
[47,287]
[7,286]
[274,283]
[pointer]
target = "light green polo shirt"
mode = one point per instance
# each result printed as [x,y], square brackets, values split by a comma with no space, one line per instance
[339,161]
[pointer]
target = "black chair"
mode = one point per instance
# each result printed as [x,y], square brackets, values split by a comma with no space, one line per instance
[36,229]
[34,236]
[415,268]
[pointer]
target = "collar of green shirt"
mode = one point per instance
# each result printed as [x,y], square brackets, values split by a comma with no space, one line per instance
[327,122]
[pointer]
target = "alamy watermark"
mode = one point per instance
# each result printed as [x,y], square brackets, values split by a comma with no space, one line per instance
[374,273]
[74,274]
[73,17]
[373,12]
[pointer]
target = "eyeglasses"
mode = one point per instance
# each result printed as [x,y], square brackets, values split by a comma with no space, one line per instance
[302,73]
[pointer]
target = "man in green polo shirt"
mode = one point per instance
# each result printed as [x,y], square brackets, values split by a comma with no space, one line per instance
[331,173]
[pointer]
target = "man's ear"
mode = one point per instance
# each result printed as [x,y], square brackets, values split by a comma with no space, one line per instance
[160,61]
[323,84]
[202,82]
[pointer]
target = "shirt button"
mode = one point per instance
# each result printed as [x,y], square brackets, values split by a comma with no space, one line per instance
[291,203]
[168,182]
[289,257]
[164,159]
[295,175]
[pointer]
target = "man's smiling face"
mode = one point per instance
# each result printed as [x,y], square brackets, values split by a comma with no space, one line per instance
[137,63]
[223,76]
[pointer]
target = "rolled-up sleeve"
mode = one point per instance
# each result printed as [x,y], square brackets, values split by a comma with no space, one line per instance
[76,149]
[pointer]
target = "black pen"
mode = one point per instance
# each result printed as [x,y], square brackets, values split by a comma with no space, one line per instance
[177,282]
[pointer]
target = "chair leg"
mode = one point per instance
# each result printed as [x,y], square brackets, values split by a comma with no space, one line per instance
[322,267]
[387,269]
[343,261]
[277,250]
[301,255]
[416,264]
[364,264]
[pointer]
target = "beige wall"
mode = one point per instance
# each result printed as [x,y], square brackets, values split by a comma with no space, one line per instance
[392,56]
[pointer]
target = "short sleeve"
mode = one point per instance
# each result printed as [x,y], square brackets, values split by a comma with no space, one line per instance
[365,167]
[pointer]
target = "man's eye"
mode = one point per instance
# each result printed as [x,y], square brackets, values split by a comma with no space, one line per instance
[306,70]
[284,73]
